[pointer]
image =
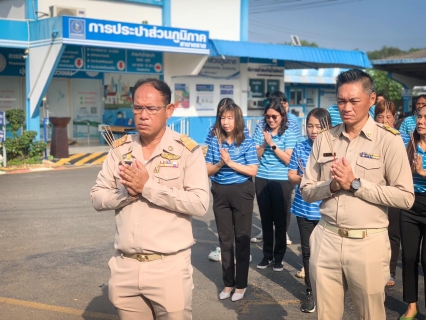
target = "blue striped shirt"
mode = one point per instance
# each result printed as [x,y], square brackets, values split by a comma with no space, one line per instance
[271,167]
[244,154]
[419,181]
[300,207]
[335,114]
[406,138]
[408,125]
[210,134]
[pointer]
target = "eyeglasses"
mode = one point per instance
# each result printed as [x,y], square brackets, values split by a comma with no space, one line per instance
[149,110]
[274,117]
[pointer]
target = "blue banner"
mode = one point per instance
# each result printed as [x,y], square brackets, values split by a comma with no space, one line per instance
[2,135]
[133,35]
[105,59]
[2,119]
[72,58]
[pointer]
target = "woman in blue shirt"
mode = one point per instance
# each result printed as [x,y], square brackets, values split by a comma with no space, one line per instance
[413,221]
[274,143]
[231,164]
[385,113]
[307,214]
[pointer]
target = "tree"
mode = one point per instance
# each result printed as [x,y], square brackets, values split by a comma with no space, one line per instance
[391,89]
[386,52]
[304,43]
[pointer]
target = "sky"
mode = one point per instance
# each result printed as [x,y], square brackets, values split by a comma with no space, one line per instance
[365,25]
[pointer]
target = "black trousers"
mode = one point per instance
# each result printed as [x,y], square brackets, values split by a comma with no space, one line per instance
[305,229]
[233,211]
[273,200]
[413,236]
[394,238]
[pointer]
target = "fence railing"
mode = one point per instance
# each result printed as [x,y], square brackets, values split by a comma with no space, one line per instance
[197,127]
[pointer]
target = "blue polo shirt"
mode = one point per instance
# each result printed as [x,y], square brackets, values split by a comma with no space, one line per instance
[271,167]
[408,125]
[335,114]
[406,138]
[300,207]
[243,154]
[210,134]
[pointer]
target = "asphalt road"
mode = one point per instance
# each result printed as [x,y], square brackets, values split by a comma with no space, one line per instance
[55,248]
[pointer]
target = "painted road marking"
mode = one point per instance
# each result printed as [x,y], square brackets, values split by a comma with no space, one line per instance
[100,160]
[47,307]
[66,160]
[88,158]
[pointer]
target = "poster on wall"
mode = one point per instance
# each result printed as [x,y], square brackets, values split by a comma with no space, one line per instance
[226,91]
[181,95]
[257,88]
[9,93]
[204,97]
[87,100]
[272,85]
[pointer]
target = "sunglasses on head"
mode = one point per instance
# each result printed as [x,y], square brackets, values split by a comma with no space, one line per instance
[274,117]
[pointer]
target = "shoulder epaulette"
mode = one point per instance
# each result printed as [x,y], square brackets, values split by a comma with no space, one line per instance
[390,129]
[190,144]
[120,142]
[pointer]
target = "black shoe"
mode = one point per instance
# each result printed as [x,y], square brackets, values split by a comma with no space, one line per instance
[264,263]
[278,266]
[308,305]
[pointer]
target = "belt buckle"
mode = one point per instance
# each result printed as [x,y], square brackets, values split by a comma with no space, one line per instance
[142,258]
[344,233]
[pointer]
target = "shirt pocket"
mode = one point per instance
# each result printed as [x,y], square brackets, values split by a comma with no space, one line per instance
[369,169]
[168,176]
[325,164]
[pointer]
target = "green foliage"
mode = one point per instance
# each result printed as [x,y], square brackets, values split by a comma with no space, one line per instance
[23,149]
[16,119]
[304,43]
[37,149]
[391,89]
[386,52]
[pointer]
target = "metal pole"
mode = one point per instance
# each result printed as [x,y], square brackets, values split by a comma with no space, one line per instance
[4,148]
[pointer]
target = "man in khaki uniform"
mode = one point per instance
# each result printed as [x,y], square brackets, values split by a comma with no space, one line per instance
[154,199]
[350,246]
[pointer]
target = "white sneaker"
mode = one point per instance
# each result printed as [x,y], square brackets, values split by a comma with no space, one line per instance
[288,239]
[258,238]
[215,255]
[301,274]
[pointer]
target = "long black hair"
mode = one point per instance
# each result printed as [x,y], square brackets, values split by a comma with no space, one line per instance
[278,107]
[322,115]
[412,145]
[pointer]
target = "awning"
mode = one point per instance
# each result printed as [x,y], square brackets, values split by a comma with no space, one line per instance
[294,57]
[312,76]
[412,64]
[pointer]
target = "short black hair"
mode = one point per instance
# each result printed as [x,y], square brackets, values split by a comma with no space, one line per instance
[421,96]
[277,95]
[354,76]
[158,85]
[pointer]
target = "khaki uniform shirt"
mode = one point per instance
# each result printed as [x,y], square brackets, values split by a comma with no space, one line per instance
[159,220]
[378,158]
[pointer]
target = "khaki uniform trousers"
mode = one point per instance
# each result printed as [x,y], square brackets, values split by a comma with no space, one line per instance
[360,265]
[159,289]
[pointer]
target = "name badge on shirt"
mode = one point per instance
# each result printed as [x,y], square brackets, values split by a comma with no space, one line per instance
[329,154]
[370,155]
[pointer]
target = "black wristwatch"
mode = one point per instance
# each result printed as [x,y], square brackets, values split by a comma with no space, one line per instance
[273,147]
[355,185]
